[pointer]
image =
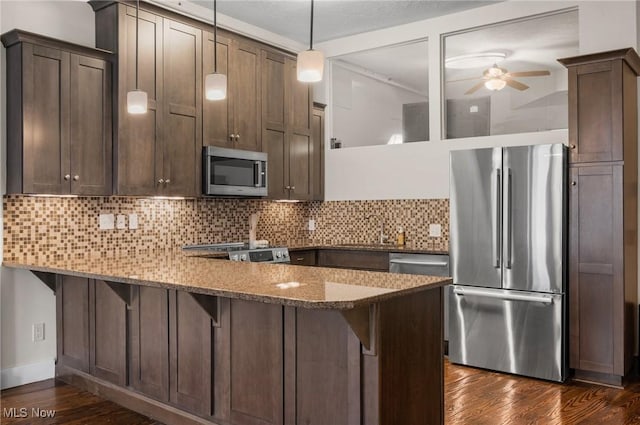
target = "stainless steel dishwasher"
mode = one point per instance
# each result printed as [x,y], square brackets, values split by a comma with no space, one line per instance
[424,264]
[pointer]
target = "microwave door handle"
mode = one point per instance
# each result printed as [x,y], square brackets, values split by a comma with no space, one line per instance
[257,173]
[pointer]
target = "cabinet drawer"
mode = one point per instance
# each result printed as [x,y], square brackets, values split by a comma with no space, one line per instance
[303,258]
[362,260]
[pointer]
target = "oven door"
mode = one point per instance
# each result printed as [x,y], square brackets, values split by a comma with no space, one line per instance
[231,172]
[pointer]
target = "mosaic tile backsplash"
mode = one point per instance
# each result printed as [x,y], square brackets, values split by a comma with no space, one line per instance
[59,227]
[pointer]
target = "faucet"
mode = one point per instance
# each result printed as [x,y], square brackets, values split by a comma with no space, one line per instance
[382,238]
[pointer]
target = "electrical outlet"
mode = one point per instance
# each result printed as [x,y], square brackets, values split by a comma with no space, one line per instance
[106,222]
[133,221]
[435,230]
[38,332]
[121,221]
[312,224]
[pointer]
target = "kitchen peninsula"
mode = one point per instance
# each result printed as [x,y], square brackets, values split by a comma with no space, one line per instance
[187,339]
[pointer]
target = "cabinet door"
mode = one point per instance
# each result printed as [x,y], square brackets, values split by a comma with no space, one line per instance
[300,144]
[217,116]
[139,157]
[45,94]
[595,112]
[72,309]
[190,354]
[596,289]
[317,154]
[90,126]
[182,104]
[150,341]
[246,96]
[274,115]
[255,350]
[108,318]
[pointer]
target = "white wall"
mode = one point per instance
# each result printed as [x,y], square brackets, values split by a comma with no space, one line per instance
[24,300]
[420,170]
[368,111]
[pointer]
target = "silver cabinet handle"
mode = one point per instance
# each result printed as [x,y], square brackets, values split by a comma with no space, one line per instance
[167,181]
[293,188]
[237,137]
[287,187]
[76,177]
[509,218]
[232,137]
[498,233]
[67,176]
[300,259]
[418,262]
[161,181]
[545,299]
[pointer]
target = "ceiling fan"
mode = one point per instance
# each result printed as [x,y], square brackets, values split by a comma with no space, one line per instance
[496,78]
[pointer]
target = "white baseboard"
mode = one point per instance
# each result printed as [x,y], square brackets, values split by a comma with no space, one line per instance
[26,374]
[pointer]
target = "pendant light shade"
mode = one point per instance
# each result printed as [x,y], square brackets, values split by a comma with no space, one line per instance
[137,99]
[495,84]
[310,62]
[215,85]
[137,102]
[310,66]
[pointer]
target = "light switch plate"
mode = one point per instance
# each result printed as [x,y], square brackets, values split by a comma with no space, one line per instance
[312,224]
[121,221]
[435,230]
[37,332]
[106,221]
[133,221]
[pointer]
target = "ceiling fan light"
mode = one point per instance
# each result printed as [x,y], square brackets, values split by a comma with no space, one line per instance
[310,66]
[215,86]
[137,102]
[495,84]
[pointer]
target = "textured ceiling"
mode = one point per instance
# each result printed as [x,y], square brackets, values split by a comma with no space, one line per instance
[335,18]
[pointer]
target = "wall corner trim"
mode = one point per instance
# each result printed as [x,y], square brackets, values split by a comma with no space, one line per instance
[26,374]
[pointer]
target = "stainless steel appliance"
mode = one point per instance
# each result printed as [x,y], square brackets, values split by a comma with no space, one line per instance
[234,172]
[508,255]
[424,264]
[239,251]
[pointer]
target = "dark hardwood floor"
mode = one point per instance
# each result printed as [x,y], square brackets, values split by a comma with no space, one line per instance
[472,396]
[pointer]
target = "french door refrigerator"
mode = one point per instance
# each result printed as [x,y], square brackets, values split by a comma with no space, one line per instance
[508,252]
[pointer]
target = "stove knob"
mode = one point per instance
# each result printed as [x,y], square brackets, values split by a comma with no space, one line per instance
[279,254]
[285,254]
[243,257]
[234,258]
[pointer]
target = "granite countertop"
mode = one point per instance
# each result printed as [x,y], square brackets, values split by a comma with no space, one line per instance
[299,286]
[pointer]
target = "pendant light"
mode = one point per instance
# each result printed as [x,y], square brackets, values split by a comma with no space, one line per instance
[137,99]
[215,85]
[310,62]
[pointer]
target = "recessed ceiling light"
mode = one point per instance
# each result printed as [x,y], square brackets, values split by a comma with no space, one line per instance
[475,60]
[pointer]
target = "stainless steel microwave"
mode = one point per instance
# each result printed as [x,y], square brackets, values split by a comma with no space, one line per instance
[234,172]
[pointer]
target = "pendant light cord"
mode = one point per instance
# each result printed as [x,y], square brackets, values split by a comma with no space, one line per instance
[215,37]
[137,46]
[311,29]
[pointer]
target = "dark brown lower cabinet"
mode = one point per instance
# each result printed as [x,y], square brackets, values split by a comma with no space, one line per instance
[603,297]
[108,336]
[72,310]
[92,327]
[354,259]
[150,341]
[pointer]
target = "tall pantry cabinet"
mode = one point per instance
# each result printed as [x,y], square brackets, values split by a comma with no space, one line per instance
[603,197]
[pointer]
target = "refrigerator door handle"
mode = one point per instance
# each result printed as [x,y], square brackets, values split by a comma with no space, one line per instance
[545,299]
[509,229]
[498,235]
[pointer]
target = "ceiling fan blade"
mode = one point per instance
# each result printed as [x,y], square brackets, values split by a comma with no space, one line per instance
[475,88]
[516,84]
[464,79]
[529,74]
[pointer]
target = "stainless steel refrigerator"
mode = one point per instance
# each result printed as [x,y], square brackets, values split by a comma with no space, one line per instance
[507,303]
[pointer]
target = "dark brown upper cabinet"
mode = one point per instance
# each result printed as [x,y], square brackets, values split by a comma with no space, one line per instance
[603,233]
[157,153]
[234,122]
[59,118]
[287,134]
